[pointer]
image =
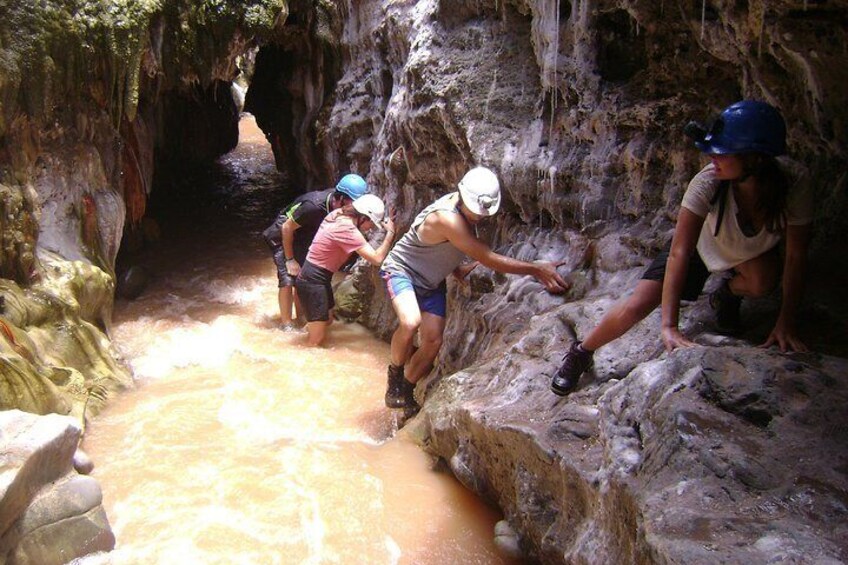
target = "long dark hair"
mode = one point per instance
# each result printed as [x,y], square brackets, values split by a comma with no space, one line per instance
[773,184]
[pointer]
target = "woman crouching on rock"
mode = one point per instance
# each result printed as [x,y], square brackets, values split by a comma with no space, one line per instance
[734,213]
[340,234]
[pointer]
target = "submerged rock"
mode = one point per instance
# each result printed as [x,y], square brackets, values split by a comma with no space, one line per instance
[133,282]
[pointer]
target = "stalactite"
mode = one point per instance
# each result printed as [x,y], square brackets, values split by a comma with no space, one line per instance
[756,21]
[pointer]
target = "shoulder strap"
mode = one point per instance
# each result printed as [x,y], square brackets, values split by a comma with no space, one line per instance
[720,197]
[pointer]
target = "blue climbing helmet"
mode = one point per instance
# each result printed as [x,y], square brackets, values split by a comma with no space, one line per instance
[352,186]
[748,126]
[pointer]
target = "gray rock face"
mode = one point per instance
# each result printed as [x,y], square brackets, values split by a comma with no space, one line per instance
[719,453]
[722,453]
[714,454]
[49,514]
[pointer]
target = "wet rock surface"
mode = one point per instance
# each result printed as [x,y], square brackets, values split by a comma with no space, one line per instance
[718,453]
[710,454]
[701,456]
[49,513]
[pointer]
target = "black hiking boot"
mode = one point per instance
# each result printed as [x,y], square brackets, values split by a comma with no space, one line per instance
[574,363]
[410,406]
[395,389]
[726,306]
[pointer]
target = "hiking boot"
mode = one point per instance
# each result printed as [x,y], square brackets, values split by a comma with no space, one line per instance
[726,306]
[395,394]
[411,407]
[574,363]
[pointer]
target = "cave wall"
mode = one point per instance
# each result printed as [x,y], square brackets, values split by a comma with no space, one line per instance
[579,107]
[94,97]
[294,80]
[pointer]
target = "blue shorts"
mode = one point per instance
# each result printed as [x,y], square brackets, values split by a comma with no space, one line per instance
[431,301]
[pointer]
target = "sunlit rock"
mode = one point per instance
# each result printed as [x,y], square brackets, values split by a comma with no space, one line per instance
[507,541]
[49,514]
[83,463]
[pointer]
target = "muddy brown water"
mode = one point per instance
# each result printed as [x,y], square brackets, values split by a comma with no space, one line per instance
[241,445]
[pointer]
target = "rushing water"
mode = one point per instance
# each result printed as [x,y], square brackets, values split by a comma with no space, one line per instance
[241,445]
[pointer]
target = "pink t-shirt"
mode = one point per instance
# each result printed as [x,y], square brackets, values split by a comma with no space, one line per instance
[336,239]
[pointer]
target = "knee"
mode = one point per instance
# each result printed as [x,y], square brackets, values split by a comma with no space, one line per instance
[634,310]
[408,327]
[431,342]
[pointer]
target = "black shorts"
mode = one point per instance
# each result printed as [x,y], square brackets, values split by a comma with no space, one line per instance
[315,291]
[696,275]
[284,279]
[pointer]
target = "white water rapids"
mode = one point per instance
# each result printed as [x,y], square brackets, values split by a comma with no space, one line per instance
[241,445]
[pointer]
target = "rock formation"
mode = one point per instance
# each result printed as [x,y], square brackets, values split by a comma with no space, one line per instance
[702,456]
[718,453]
[86,90]
[50,511]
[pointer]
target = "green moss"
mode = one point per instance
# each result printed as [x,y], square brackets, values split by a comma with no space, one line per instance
[51,355]
[51,48]
[23,387]
[201,33]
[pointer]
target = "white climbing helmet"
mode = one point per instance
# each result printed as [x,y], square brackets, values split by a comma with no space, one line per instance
[371,206]
[481,191]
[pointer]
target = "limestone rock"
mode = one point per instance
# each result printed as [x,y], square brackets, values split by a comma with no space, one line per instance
[48,512]
[35,451]
[65,521]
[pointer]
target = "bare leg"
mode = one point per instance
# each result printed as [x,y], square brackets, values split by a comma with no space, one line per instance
[284,298]
[409,318]
[432,329]
[625,314]
[317,332]
[300,313]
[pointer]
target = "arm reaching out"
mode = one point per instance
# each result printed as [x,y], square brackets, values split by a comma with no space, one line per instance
[453,228]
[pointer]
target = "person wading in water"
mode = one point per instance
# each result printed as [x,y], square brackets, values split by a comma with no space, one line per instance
[293,230]
[339,236]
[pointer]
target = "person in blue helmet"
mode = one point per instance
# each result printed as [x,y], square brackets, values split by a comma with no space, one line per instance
[294,229]
[734,213]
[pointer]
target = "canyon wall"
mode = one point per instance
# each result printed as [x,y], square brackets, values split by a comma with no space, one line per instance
[722,453]
[91,96]
[718,453]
